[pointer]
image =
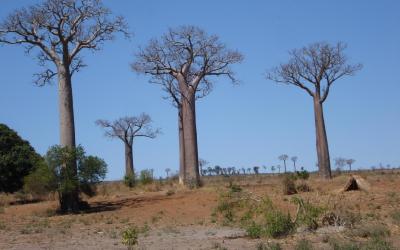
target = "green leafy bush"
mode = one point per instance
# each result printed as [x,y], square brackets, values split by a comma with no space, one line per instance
[303,174]
[56,175]
[278,224]
[129,180]
[17,160]
[146,177]
[307,214]
[130,237]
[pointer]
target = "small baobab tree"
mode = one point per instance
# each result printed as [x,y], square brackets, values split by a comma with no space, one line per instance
[273,169]
[167,170]
[314,69]
[184,62]
[350,162]
[127,129]
[60,30]
[284,158]
[279,169]
[340,163]
[202,164]
[294,160]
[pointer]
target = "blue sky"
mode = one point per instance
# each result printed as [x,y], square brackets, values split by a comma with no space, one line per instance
[243,126]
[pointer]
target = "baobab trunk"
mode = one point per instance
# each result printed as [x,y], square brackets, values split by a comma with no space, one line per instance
[190,142]
[69,199]
[129,170]
[182,171]
[324,164]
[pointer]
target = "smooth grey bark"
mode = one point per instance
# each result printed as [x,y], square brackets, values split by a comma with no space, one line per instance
[69,201]
[129,168]
[182,172]
[192,177]
[324,163]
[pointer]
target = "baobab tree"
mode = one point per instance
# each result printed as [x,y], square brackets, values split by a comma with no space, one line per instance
[284,158]
[127,129]
[314,69]
[202,163]
[294,159]
[183,62]
[350,162]
[340,163]
[167,170]
[60,30]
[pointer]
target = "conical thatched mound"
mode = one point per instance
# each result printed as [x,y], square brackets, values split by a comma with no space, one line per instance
[356,182]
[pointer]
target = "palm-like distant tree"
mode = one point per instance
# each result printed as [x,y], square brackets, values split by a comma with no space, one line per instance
[248,170]
[294,160]
[284,158]
[279,168]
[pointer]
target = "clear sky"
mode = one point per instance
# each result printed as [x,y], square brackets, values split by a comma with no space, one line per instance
[242,126]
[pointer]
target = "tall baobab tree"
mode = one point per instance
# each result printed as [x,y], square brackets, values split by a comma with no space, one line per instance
[284,158]
[294,160]
[183,62]
[127,129]
[60,30]
[314,69]
[340,163]
[350,162]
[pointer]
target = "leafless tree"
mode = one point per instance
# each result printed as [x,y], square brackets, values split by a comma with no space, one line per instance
[60,30]
[340,163]
[314,69]
[202,163]
[167,170]
[284,158]
[183,62]
[350,162]
[294,160]
[126,129]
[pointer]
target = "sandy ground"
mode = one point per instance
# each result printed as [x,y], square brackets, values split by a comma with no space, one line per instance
[174,218]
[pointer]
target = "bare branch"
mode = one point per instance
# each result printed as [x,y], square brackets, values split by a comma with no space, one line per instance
[60,29]
[188,56]
[319,65]
[127,128]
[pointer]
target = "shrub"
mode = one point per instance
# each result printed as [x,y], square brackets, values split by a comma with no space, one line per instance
[303,244]
[56,174]
[130,237]
[254,231]
[307,213]
[129,180]
[303,174]
[288,185]
[17,160]
[278,224]
[146,177]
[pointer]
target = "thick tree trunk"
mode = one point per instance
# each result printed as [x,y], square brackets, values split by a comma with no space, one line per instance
[192,178]
[182,172]
[69,200]
[129,170]
[321,140]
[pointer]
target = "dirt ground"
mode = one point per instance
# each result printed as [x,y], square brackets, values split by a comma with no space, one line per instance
[170,217]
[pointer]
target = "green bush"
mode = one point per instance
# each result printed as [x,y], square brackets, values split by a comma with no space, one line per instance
[278,224]
[56,174]
[130,237]
[129,180]
[146,177]
[303,174]
[254,231]
[17,160]
[307,213]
